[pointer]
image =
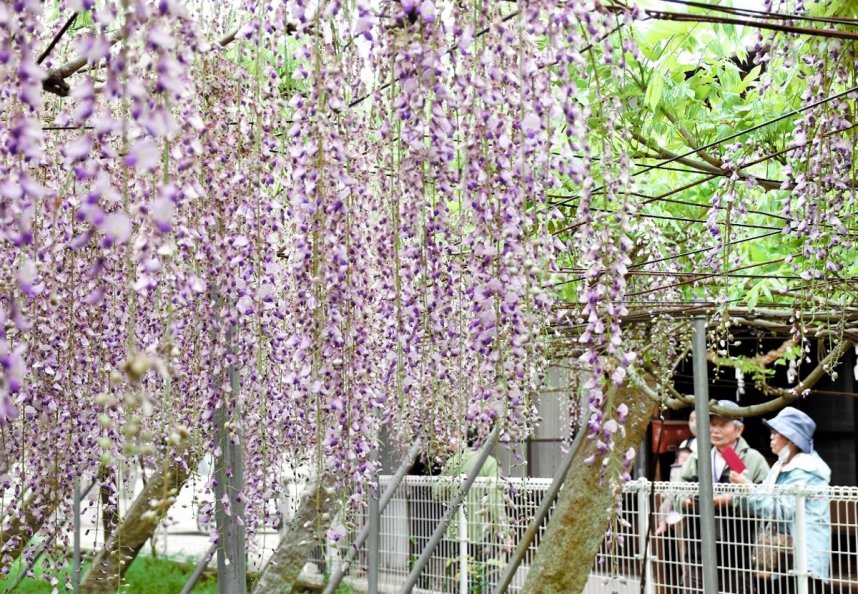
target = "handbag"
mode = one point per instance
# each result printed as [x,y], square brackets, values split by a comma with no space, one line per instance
[773,550]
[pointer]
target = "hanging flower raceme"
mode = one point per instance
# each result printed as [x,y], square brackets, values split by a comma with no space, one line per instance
[332,363]
[423,330]
[819,175]
[602,245]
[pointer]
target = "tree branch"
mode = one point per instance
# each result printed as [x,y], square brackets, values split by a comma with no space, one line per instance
[812,378]
[707,167]
[761,360]
[56,83]
[666,154]
[230,37]
[781,396]
[710,159]
[665,15]
[689,139]
[112,561]
[675,401]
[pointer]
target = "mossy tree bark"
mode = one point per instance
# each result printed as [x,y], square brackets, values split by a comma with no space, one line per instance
[583,511]
[281,572]
[137,527]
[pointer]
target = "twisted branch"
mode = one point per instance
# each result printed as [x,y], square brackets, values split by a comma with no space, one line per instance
[780,397]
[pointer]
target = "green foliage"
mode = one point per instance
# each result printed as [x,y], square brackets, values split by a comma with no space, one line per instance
[691,85]
[157,576]
[343,588]
[146,575]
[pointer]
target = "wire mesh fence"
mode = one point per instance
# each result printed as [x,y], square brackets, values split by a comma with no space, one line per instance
[778,541]
[476,545]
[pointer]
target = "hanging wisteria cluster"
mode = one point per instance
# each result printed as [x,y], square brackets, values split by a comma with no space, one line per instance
[818,178]
[350,235]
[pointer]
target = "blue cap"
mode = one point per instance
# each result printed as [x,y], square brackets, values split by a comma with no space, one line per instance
[728,404]
[796,426]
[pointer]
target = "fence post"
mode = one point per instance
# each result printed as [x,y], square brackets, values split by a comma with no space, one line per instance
[199,569]
[644,542]
[339,571]
[373,522]
[800,544]
[463,548]
[75,580]
[438,534]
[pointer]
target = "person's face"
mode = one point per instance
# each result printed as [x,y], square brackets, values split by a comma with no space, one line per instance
[724,432]
[777,442]
[692,423]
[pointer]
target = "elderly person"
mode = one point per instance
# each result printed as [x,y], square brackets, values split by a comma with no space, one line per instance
[732,555]
[798,464]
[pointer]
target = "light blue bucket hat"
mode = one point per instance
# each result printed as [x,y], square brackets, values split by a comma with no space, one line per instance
[796,426]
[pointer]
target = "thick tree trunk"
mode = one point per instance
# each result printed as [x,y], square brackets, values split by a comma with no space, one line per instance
[578,523]
[281,572]
[112,561]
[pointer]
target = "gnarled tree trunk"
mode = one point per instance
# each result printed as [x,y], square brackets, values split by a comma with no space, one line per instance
[114,559]
[577,526]
[282,570]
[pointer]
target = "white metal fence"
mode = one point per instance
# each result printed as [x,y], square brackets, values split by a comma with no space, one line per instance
[652,540]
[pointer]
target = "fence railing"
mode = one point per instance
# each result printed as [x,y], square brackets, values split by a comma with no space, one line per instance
[652,540]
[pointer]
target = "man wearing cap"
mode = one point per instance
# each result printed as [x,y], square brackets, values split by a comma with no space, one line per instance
[731,532]
[798,465]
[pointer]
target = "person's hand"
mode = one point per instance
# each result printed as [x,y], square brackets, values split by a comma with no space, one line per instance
[662,528]
[739,478]
[722,500]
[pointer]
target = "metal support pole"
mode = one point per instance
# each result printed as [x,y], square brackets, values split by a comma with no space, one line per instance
[800,544]
[706,505]
[541,513]
[438,534]
[231,554]
[644,542]
[395,480]
[463,549]
[76,544]
[374,528]
[199,569]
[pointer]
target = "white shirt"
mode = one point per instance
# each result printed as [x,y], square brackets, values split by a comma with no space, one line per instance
[718,465]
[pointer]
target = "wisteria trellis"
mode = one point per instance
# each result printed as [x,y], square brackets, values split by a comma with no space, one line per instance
[349,209]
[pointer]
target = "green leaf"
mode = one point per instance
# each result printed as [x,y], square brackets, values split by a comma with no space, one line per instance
[753,297]
[654,90]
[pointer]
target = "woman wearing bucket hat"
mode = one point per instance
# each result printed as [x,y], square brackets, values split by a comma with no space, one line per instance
[798,465]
